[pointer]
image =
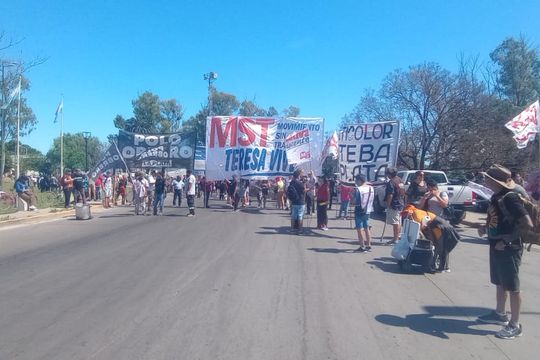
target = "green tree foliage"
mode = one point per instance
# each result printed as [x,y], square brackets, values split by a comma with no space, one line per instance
[518,73]
[75,152]
[152,115]
[30,158]
[291,111]
[249,108]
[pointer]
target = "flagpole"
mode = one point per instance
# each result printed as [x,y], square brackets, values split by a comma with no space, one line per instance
[62,139]
[18,129]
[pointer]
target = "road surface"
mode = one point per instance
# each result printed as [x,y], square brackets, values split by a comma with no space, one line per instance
[225,285]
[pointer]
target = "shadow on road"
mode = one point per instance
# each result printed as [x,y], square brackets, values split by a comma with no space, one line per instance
[390,265]
[286,230]
[332,250]
[437,321]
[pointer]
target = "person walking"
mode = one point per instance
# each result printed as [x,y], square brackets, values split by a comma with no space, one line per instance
[191,183]
[323,195]
[78,186]
[208,188]
[107,190]
[362,200]
[159,194]
[310,193]
[395,201]
[280,185]
[66,182]
[507,218]
[178,186]
[265,188]
[296,193]
[140,187]
[345,198]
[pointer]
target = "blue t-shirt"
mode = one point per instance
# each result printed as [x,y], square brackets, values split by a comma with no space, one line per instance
[398,202]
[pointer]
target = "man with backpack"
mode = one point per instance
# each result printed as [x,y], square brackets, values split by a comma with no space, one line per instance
[296,193]
[507,220]
[362,200]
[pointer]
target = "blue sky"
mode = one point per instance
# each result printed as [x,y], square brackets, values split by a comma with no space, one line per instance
[318,55]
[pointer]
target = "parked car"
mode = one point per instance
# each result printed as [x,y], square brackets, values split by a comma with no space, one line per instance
[460,196]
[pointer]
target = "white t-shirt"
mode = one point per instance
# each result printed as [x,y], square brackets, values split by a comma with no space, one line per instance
[191,184]
[178,184]
[434,206]
[152,183]
[367,194]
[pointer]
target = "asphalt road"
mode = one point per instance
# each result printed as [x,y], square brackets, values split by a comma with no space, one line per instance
[225,285]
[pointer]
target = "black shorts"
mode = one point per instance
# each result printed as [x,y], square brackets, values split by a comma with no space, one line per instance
[504,267]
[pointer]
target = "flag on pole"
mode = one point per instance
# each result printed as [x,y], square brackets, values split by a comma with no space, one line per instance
[14,93]
[298,147]
[525,125]
[59,109]
[330,148]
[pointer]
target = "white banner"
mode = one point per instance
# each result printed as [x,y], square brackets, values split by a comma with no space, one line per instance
[253,147]
[298,147]
[368,149]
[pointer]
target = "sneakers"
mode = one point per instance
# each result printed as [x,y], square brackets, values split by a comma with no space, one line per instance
[368,248]
[362,249]
[190,214]
[510,332]
[494,318]
[390,243]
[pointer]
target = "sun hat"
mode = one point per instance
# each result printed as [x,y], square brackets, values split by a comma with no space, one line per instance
[501,176]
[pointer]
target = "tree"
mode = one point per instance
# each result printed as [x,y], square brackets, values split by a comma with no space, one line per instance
[433,107]
[152,115]
[75,151]
[249,108]
[30,158]
[518,75]
[291,111]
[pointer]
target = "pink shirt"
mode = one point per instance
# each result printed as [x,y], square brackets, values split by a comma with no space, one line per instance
[346,192]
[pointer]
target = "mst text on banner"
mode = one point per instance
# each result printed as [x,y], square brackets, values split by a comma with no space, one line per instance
[253,147]
[368,149]
[155,150]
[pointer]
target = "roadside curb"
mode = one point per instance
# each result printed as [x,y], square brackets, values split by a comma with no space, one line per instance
[29,217]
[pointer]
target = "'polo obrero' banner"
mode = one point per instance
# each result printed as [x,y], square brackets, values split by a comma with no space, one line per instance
[111,160]
[368,149]
[155,150]
[253,147]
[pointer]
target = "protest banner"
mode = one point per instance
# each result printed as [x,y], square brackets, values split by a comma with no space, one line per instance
[112,159]
[298,147]
[155,150]
[368,149]
[253,147]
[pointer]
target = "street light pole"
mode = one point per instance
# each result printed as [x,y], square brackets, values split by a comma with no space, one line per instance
[211,77]
[86,136]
